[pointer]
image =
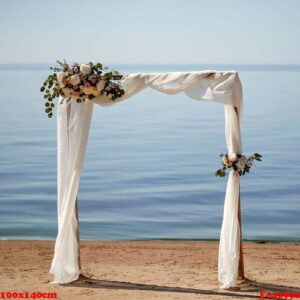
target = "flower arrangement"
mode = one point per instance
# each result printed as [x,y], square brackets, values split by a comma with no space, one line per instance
[83,82]
[238,162]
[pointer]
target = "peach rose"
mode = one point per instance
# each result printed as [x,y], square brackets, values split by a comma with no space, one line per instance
[91,91]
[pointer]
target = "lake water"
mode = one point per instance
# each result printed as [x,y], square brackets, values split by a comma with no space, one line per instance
[150,161]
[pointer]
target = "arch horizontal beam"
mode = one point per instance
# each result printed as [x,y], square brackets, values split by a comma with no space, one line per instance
[215,86]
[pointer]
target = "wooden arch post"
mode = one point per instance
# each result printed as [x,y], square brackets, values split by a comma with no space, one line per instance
[241,260]
[241,272]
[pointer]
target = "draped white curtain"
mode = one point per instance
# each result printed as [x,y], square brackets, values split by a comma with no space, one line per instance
[73,123]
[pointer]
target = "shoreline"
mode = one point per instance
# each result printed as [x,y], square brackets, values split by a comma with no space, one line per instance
[182,270]
[260,241]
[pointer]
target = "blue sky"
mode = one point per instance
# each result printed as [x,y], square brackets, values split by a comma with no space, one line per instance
[150,31]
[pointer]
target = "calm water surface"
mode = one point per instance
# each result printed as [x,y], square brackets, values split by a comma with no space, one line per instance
[150,161]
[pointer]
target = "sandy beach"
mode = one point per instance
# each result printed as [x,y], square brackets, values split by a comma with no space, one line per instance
[149,270]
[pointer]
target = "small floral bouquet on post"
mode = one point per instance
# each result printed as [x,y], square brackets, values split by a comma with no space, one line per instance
[238,162]
[81,83]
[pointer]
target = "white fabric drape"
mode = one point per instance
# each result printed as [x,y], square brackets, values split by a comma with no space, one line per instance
[222,87]
[73,124]
[229,248]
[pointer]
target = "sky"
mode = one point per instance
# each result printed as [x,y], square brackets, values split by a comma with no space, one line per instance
[150,31]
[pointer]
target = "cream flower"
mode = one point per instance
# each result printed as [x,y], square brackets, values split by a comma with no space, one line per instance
[67,92]
[242,162]
[85,69]
[100,85]
[75,79]
[60,78]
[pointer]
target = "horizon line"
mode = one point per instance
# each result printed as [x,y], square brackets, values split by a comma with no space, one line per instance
[169,63]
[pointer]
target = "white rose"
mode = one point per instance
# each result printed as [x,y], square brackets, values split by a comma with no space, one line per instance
[60,77]
[100,85]
[241,164]
[67,92]
[243,158]
[85,69]
[75,79]
[232,156]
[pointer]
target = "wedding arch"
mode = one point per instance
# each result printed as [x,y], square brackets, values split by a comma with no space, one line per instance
[73,124]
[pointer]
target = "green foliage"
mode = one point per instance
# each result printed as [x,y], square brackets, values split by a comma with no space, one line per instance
[49,93]
[220,173]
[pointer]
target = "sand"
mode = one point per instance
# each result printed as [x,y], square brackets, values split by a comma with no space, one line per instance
[149,270]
